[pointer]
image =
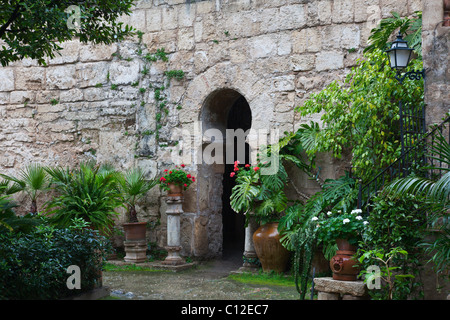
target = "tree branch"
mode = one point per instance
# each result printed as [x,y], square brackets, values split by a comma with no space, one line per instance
[13,17]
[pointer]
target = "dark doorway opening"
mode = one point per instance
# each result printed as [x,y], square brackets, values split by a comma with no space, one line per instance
[239,117]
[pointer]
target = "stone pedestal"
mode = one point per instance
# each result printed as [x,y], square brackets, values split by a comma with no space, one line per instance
[136,251]
[249,248]
[330,289]
[174,210]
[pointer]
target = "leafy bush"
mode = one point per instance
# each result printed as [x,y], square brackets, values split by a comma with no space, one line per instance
[396,222]
[89,192]
[33,265]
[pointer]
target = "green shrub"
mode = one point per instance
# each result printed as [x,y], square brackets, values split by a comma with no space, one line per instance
[34,265]
[396,222]
[89,192]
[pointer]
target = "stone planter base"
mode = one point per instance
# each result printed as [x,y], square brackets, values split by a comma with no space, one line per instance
[136,251]
[330,289]
[173,257]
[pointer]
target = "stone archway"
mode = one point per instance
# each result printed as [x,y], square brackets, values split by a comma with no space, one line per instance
[224,111]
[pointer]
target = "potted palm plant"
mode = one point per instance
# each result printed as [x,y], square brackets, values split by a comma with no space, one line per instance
[133,187]
[262,197]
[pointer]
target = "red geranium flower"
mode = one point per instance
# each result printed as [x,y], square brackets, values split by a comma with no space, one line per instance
[162,179]
[183,166]
[188,176]
[232,174]
[256,168]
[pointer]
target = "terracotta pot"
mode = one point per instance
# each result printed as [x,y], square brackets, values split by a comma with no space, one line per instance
[176,190]
[342,263]
[270,252]
[135,231]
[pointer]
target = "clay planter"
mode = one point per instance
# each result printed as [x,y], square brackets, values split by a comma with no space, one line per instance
[176,190]
[342,263]
[135,231]
[270,252]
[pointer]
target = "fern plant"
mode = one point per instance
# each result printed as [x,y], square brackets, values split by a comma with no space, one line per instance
[89,192]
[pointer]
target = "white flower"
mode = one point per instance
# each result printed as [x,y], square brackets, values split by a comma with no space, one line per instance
[329,213]
[358,218]
[314,219]
[345,221]
[356,211]
[365,222]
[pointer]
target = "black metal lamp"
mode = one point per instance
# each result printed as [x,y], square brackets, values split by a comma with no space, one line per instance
[399,57]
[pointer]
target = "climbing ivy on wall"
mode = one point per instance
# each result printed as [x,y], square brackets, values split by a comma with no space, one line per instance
[147,83]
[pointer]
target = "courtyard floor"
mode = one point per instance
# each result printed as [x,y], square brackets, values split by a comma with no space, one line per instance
[206,281]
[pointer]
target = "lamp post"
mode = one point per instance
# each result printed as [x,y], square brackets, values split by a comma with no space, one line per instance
[399,56]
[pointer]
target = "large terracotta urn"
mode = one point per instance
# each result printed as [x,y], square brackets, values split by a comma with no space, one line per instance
[271,253]
[342,264]
[135,231]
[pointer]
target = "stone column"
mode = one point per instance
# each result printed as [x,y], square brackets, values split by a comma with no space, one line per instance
[174,210]
[249,248]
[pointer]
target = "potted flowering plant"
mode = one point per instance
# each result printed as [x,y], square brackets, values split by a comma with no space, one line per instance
[176,181]
[262,197]
[346,230]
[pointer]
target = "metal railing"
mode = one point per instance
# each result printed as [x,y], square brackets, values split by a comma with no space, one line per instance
[417,157]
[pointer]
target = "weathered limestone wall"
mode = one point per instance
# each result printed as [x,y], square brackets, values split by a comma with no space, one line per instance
[88,104]
[436,42]
[435,49]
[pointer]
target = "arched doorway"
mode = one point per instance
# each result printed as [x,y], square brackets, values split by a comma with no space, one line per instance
[226,110]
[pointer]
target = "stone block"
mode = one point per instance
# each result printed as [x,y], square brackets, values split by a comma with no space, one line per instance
[262,46]
[72,95]
[17,97]
[302,62]
[401,7]
[61,77]
[292,17]
[91,73]
[4,97]
[32,78]
[328,296]
[154,20]
[328,284]
[200,235]
[169,18]
[186,16]
[68,54]
[343,11]
[186,39]
[283,83]
[124,72]
[329,60]
[97,52]
[324,9]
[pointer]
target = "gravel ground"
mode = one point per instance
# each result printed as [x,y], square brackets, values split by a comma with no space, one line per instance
[206,281]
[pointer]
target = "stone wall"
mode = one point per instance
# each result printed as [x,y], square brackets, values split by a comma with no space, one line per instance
[436,41]
[435,50]
[99,102]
